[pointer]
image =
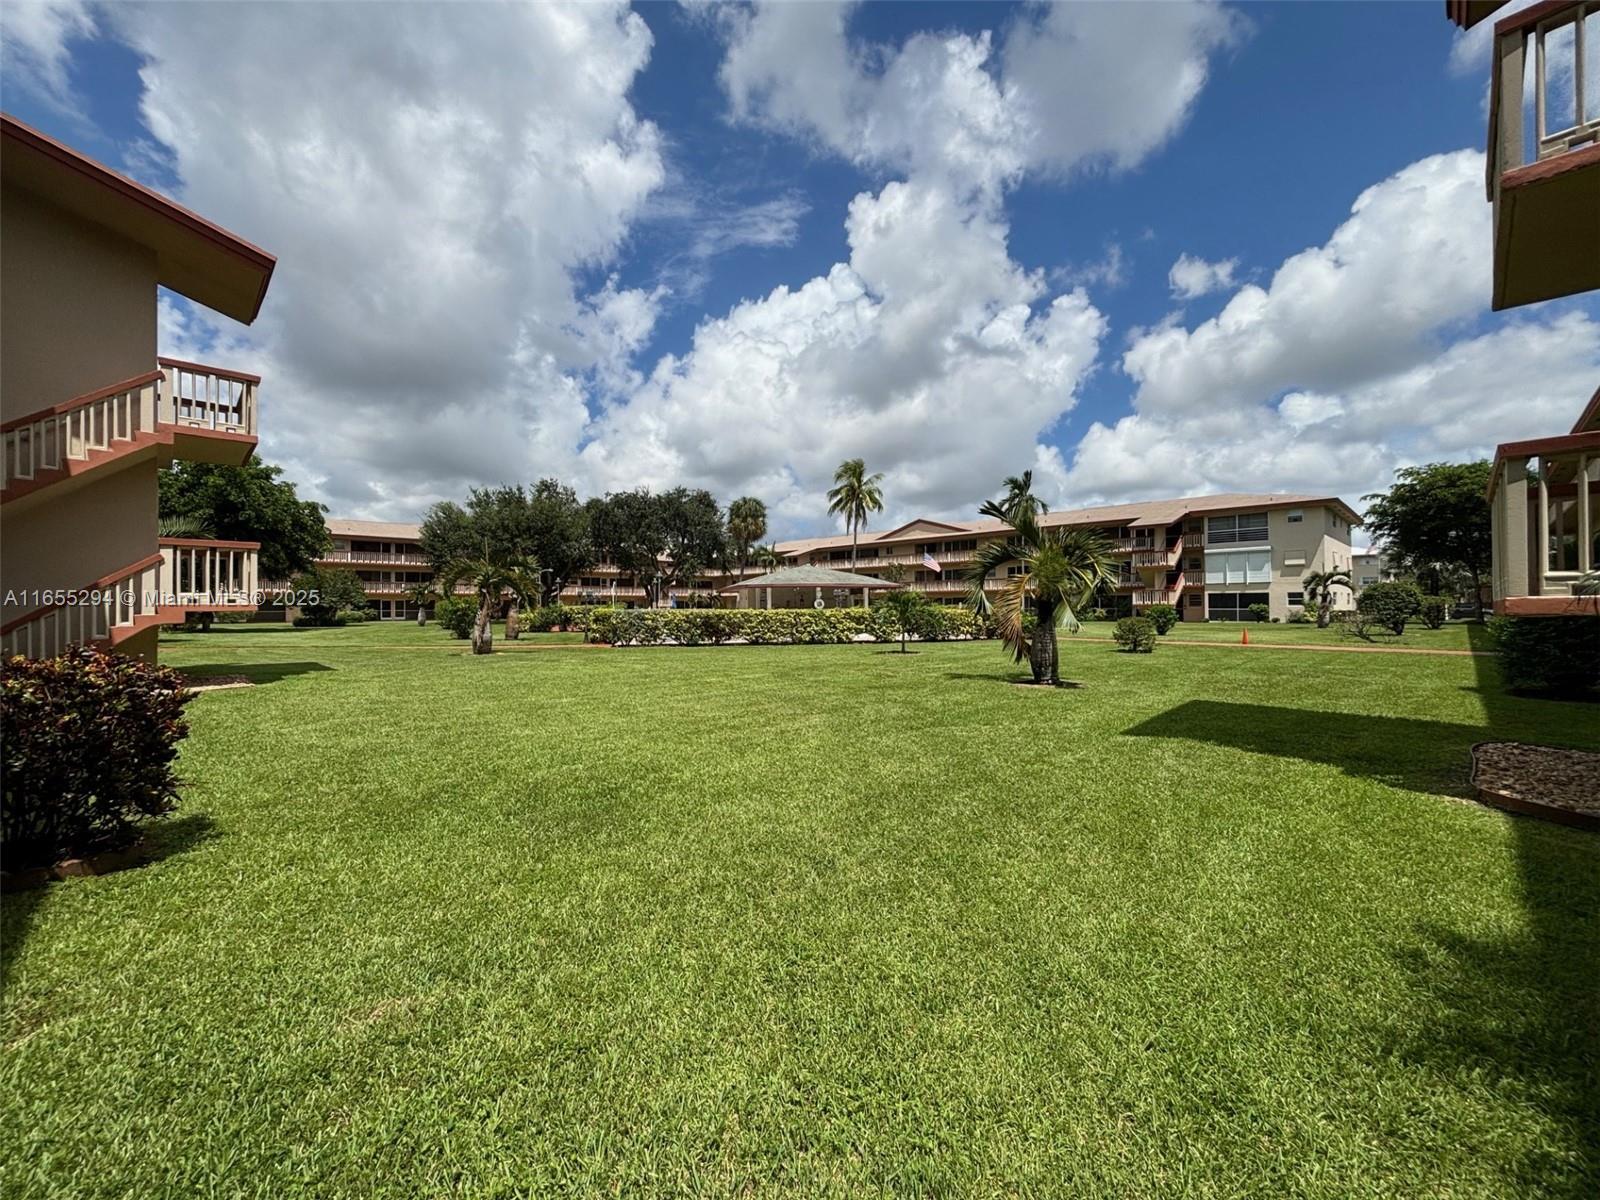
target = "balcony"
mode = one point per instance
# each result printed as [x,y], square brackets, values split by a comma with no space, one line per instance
[1543,174]
[1155,557]
[340,557]
[202,575]
[1545,524]
[204,414]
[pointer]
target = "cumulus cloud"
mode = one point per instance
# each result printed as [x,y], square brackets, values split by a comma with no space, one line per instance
[35,50]
[1192,277]
[1360,355]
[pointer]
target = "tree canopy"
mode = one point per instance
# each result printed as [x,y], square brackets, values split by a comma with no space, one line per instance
[248,504]
[627,531]
[1435,518]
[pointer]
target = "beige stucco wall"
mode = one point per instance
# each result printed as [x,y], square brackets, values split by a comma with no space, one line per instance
[78,535]
[1298,549]
[77,306]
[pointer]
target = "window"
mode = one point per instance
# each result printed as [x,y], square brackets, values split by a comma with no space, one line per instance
[1297,599]
[1238,530]
[1014,570]
[1239,566]
[958,546]
[1195,599]
[1296,516]
[1232,606]
[1196,563]
[865,554]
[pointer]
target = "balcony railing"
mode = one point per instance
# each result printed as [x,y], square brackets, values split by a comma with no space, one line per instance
[76,430]
[196,396]
[375,556]
[101,613]
[204,574]
[1162,595]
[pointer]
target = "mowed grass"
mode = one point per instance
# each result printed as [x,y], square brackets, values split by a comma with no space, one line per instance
[818,921]
[1455,635]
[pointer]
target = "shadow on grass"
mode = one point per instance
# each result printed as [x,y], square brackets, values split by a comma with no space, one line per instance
[162,840]
[179,634]
[1515,1013]
[254,672]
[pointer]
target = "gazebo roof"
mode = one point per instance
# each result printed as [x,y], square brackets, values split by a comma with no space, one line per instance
[811,577]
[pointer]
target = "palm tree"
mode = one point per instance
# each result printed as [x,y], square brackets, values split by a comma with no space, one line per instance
[183,526]
[747,525]
[492,579]
[1060,570]
[424,597]
[854,496]
[1319,587]
[766,556]
[1019,496]
[906,605]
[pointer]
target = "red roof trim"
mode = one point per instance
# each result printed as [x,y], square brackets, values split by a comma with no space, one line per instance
[1590,414]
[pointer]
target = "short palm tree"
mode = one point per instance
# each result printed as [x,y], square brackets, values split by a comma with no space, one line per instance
[766,556]
[424,597]
[747,525]
[493,579]
[854,496]
[1319,587]
[1060,570]
[183,526]
[1019,496]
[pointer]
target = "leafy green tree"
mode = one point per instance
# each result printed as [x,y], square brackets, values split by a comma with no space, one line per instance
[1162,616]
[695,536]
[336,589]
[1318,587]
[627,531]
[1436,517]
[907,606]
[854,496]
[1060,571]
[1019,497]
[448,534]
[248,504]
[747,525]
[1389,604]
[493,579]
[558,535]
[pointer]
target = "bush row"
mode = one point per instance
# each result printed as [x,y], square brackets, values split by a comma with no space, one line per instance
[762,627]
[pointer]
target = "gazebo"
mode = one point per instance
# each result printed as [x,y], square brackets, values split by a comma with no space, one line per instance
[806,587]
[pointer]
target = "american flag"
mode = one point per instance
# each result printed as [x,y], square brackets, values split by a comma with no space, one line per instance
[932,563]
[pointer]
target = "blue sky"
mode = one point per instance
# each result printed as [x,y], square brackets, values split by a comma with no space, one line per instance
[514,244]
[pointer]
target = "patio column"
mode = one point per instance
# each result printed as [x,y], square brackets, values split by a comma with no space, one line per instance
[1542,563]
[866,597]
[768,592]
[1512,569]
[1585,538]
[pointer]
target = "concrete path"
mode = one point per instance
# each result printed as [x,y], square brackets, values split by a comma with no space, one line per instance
[1313,648]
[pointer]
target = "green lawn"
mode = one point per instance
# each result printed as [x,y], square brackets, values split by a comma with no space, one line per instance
[1457,635]
[818,921]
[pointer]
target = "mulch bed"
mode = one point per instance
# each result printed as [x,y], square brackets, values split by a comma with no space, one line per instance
[1545,781]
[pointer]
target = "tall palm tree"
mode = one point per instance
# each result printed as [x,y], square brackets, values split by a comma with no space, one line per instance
[1319,587]
[766,556]
[1019,497]
[492,579]
[1060,571]
[854,495]
[747,525]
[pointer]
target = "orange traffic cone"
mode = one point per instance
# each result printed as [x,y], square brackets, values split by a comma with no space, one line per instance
[1244,637]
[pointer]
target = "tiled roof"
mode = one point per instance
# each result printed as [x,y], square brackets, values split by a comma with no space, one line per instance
[394,531]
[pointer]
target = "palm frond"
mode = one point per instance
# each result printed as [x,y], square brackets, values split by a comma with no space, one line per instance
[1009,607]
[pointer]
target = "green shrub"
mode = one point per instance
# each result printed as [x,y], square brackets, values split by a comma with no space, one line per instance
[1136,635]
[1097,614]
[455,615]
[1390,605]
[1300,617]
[1557,655]
[1162,616]
[1260,611]
[336,590]
[1310,610]
[1433,611]
[88,741]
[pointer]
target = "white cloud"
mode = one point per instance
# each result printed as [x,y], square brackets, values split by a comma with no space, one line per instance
[1360,356]
[34,46]
[1192,277]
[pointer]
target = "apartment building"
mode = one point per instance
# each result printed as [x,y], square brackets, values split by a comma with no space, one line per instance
[386,556]
[1211,557]
[1543,178]
[89,413]
[1371,568]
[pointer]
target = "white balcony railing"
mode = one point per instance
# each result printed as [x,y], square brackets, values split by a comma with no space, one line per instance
[74,431]
[375,556]
[198,573]
[97,614]
[200,397]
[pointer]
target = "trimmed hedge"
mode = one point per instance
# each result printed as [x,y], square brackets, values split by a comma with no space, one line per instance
[1389,604]
[1434,611]
[1162,616]
[768,627]
[88,741]
[1137,635]
[1558,655]
[565,617]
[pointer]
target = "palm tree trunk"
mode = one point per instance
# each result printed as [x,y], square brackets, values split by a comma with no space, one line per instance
[1323,615]
[513,623]
[1042,650]
[483,627]
[855,537]
[422,615]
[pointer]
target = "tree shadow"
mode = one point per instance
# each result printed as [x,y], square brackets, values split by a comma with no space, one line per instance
[162,840]
[179,634]
[1519,1012]
[254,672]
